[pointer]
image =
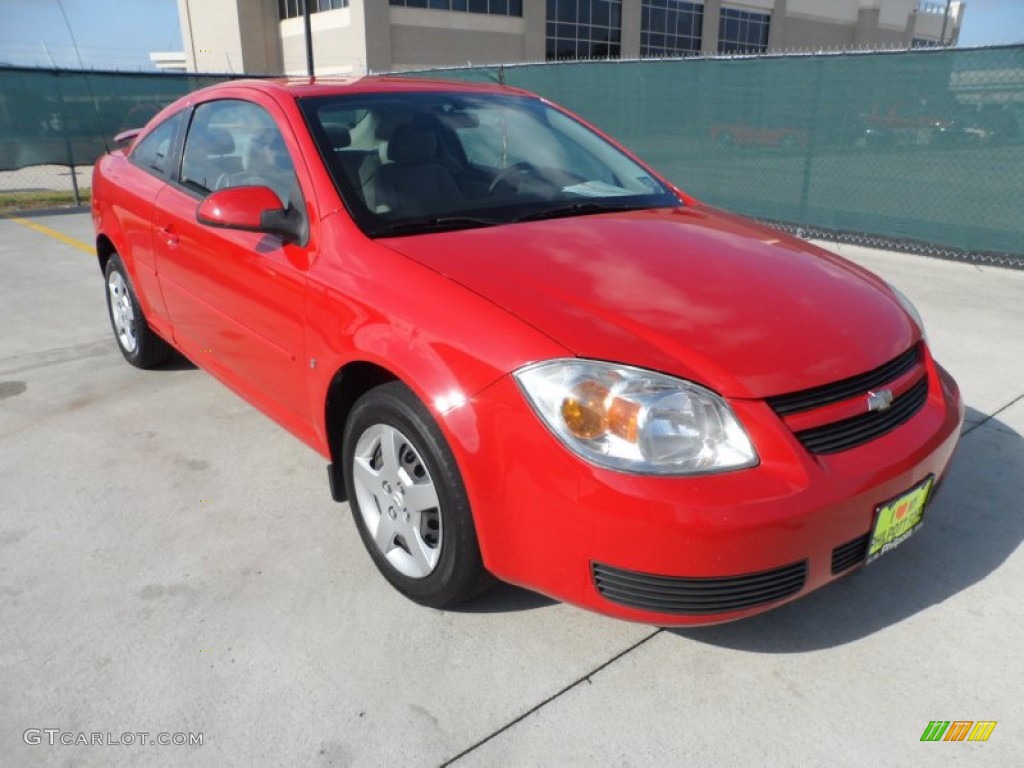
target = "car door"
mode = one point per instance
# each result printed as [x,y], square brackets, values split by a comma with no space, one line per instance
[139,182]
[237,299]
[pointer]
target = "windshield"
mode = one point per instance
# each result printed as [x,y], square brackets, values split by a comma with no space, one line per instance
[406,163]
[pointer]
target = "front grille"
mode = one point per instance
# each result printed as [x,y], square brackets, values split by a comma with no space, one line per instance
[671,594]
[838,391]
[847,555]
[849,433]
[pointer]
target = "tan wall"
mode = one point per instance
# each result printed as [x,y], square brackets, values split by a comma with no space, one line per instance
[757,6]
[709,38]
[375,16]
[437,38]
[632,17]
[929,26]
[261,44]
[210,34]
[803,33]
[414,47]
[535,23]
[839,11]
[339,47]
[372,36]
[893,14]
[233,36]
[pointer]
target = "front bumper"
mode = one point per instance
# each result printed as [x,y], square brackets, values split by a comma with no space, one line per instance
[721,546]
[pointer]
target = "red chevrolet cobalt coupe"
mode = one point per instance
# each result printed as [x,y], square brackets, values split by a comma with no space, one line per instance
[524,353]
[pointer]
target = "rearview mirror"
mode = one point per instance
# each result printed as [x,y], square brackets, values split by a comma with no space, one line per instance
[251,209]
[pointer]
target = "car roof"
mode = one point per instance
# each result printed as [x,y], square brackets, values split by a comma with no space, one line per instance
[293,88]
[303,87]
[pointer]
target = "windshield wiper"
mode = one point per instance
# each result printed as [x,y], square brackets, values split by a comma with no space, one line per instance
[435,224]
[579,209]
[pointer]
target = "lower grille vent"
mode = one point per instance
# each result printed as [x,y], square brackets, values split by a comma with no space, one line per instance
[847,555]
[670,594]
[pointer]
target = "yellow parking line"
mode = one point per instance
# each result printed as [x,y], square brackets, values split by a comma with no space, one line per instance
[73,242]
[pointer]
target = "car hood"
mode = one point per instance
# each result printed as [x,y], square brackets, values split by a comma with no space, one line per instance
[692,292]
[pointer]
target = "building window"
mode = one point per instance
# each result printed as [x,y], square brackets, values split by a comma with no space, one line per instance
[670,27]
[584,29]
[492,7]
[289,9]
[742,31]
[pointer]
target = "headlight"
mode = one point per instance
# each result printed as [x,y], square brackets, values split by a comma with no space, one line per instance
[634,420]
[909,308]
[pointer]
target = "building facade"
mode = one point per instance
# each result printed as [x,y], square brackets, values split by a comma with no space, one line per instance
[358,36]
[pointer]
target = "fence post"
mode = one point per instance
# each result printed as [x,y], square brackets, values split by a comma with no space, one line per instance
[66,130]
[812,138]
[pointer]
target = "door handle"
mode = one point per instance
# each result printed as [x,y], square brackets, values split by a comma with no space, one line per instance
[169,236]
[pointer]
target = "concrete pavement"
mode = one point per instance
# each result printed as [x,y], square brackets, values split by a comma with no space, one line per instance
[170,561]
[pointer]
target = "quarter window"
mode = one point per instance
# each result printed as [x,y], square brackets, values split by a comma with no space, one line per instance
[152,152]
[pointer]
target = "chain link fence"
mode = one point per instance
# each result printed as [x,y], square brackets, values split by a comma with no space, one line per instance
[917,150]
[42,185]
[921,150]
[55,123]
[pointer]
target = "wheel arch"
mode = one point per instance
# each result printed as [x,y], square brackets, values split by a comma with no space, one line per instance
[349,383]
[104,250]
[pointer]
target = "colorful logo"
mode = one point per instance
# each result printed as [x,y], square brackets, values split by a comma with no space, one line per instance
[958,730]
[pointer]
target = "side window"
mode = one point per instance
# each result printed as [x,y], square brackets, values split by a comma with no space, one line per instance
[234,143]
[151,153]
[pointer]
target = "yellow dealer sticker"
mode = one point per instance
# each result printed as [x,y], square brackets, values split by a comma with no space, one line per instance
[898,519]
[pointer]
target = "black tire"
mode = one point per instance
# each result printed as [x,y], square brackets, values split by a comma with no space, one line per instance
[393,411]
[138,343]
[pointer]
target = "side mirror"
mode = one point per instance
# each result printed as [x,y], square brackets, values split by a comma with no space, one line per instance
[252,209]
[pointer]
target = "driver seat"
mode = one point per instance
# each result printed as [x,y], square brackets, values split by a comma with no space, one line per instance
[415,182]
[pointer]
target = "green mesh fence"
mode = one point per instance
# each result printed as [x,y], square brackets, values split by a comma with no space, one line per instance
[919,146]
[58,117]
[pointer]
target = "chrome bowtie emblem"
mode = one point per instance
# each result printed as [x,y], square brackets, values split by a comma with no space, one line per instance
[880,400]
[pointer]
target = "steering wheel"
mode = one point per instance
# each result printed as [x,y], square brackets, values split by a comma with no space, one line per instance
[517,169]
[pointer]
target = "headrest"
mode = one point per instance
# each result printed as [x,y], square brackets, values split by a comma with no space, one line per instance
[216,141]
[267,151]
[337,135]
[411,143]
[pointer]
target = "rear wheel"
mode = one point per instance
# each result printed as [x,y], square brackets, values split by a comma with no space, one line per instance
[408,499]
[138,343]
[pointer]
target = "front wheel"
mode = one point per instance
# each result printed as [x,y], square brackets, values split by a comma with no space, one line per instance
[408,499]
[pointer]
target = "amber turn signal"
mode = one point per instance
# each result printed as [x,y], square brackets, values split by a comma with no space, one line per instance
[584,410]
[591,411]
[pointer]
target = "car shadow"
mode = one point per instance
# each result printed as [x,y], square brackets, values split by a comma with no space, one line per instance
[973,525]
[505,598]
[176,362]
